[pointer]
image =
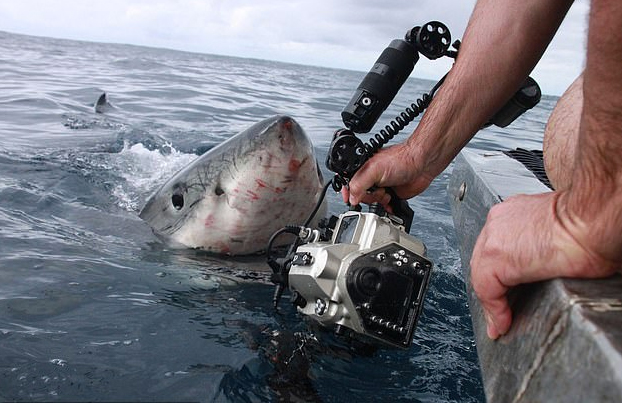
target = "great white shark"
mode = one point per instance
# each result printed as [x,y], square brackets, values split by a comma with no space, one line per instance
[234,197]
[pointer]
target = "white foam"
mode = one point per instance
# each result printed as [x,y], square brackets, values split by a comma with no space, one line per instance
[144,171]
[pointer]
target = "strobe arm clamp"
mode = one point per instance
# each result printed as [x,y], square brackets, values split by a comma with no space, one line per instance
[346,155]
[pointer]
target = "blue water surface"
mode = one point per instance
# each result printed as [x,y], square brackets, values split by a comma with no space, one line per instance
[94,308]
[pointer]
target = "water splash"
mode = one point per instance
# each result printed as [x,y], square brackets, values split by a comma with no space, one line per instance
[143,170]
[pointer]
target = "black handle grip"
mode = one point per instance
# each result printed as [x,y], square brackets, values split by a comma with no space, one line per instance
[401,209]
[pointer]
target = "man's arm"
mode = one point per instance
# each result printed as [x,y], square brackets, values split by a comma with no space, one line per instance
[575,232]
[502,43]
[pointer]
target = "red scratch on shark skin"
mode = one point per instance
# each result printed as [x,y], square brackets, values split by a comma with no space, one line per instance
[209,220]
[262,184]
[266,162]
[294,165]
[253,195]
[224,248]
[287,125]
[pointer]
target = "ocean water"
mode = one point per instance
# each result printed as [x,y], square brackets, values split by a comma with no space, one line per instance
[94,308]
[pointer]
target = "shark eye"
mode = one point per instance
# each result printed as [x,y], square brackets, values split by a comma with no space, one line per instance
[178,201]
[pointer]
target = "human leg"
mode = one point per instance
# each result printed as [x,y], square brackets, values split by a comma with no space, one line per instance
[561,136]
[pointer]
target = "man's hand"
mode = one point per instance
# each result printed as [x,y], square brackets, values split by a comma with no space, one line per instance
[396,167]
[524,240]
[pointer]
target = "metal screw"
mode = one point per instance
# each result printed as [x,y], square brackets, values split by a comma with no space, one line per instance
[462,191]
[320,307]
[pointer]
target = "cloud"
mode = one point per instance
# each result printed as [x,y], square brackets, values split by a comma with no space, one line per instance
[362,25]
[347,34]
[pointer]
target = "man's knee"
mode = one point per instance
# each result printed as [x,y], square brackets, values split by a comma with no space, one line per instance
[561,135]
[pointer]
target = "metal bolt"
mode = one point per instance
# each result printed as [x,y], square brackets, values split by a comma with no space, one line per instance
[320,307]
[462,191]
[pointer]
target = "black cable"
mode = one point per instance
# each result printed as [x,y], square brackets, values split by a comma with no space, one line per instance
[291,229]
[319,204]
[280,266]
[385,135]
[400,122]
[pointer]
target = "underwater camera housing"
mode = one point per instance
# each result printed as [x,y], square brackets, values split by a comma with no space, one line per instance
[369,277]
[361,273]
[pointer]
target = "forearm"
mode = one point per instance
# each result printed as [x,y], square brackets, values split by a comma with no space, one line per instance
[502,43]
[592,207]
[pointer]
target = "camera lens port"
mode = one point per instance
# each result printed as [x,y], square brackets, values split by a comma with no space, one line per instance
[368,281]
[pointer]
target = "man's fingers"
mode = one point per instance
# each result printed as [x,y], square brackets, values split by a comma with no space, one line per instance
[377,195]
[490,290]
[345,194]
[498,316]
[492,295]
[368,176]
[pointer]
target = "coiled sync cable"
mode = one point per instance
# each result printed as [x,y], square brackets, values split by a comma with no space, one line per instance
[390,130]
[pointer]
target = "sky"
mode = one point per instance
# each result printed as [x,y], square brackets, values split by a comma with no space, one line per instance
[346,34]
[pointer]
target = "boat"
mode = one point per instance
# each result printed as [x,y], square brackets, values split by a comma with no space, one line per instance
[565,343]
